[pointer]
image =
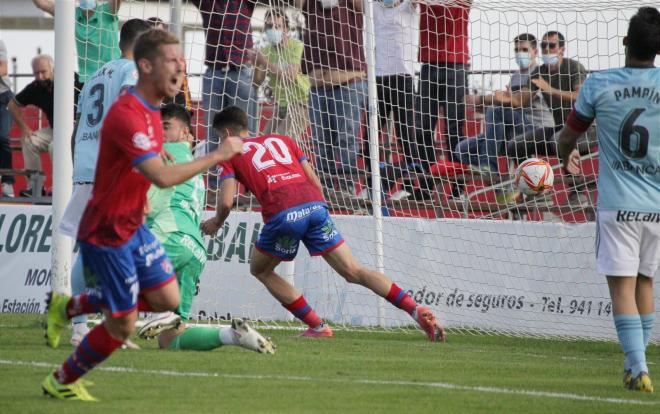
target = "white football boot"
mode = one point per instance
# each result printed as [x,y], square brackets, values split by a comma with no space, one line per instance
[249,338]
[157,323]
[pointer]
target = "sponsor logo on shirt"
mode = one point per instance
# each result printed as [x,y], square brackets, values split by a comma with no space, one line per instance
[272,179]
[623,216]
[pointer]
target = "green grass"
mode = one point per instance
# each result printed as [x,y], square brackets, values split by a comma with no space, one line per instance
[370,372]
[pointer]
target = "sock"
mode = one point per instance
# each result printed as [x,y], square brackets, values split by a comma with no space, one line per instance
[78,286]
[401,299]
[82,304]
[304,312]
[94,349]
[197,338]
[647,327]
[631,338]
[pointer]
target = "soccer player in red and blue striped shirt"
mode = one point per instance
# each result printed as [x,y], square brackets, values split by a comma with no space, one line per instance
[130,267]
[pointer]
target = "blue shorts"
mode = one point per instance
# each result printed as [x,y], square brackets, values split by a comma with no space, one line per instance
[122,273]
[308,222]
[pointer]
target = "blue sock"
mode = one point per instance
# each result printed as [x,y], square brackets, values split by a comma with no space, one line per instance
[631,338]
[647,327]
[78,285]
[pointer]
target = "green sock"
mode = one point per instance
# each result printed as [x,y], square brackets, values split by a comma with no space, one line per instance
[198,339]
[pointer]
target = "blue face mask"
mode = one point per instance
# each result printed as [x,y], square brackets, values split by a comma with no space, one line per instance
[88,4]
[274,36]
[550,59]
[523,59]
[390,3]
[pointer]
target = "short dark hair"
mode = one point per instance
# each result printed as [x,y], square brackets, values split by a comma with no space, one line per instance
[176,111]
[560,37]
[156,21]
[525,37]
[277,13]
[233,118]
[130,31]
[644,33]
[146,46]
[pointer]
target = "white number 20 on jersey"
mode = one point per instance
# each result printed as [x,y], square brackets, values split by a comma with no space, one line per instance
[272,151]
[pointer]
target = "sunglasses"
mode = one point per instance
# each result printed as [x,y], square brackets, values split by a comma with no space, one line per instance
[546,45]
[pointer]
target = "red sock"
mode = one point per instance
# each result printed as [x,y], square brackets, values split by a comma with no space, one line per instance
[401,299]
[304,312]
[93,349]
[83,304]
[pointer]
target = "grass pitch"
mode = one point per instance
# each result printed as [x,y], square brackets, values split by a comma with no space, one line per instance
[353,372]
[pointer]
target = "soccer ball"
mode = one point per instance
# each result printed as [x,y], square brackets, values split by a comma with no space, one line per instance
[533,177]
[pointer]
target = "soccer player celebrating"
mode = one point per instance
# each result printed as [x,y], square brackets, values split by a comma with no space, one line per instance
[276,171]
[175,218]
[625,102]
[100,91]
[131,270]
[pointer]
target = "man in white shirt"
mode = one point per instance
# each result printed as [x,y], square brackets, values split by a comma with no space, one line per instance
[396,27]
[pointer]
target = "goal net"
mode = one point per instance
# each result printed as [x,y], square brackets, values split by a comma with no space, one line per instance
[415,115]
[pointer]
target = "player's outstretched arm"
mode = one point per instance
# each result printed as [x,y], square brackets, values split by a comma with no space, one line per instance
[311,175]
[566,145]
[168,175]
[225,201]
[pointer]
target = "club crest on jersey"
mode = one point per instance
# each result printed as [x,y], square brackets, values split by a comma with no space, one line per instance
[142,141]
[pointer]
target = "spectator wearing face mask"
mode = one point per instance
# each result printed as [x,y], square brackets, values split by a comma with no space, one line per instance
[281,61]
[558,80]
[515,110]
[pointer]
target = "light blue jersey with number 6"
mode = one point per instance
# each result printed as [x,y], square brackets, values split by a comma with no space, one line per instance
[100,91]
[625,103]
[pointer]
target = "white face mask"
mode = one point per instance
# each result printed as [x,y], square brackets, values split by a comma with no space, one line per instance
[88,4]
[550,59]
[274,36]
[523,59]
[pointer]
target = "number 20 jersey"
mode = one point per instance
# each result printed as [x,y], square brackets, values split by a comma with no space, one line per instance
[99,93]
[271,169]
[625,103]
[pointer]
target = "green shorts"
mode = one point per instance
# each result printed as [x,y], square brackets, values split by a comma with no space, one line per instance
[188,258]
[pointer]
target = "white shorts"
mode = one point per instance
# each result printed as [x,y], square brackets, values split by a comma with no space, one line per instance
[75,209]
[627,243]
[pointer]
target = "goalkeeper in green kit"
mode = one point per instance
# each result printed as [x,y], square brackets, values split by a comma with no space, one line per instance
[175,219]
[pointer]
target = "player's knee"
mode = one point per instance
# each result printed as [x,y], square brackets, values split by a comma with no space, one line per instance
[352,273]
[122,328]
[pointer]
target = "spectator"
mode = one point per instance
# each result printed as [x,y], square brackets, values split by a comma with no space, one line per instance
[39,93]
[396,28]
[97,33]
[228,77]
[513,111]
[443,78]
[157,23]
[334,60]
[6,96]
[281,60]
[558,80]
[183,98]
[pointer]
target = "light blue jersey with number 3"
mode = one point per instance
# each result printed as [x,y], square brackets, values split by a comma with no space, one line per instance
[626,105]
[100,91]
